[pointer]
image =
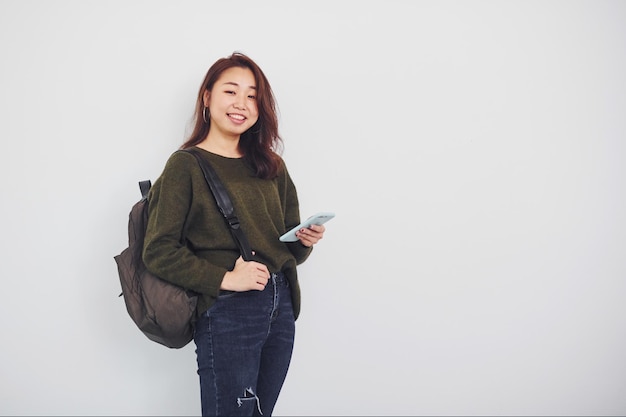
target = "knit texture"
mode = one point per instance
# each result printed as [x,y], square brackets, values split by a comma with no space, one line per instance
[187,240]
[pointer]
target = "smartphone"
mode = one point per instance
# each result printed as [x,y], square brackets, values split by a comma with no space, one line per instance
[319,218]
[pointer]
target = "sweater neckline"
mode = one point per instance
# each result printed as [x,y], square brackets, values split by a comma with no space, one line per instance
[216,155]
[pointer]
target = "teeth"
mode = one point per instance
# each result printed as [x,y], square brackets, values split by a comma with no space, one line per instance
[237,116]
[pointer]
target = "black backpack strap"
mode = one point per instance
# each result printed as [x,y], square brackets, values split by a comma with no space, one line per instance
[145,186]
[224,204]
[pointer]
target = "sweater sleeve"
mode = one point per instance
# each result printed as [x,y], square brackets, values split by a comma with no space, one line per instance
[165,252]
[292,215]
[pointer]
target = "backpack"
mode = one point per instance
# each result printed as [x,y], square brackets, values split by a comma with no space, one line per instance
[163,311]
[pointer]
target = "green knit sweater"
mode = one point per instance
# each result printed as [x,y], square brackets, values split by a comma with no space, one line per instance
[187,240]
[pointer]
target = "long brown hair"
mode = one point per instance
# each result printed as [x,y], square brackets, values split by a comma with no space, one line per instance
[261,142]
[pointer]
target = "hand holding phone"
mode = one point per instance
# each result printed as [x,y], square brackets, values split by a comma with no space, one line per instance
[319,218]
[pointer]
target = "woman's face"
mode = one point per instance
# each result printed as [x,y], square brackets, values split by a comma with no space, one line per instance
[232,102]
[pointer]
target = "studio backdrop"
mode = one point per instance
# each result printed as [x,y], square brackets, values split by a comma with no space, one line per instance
[474,153]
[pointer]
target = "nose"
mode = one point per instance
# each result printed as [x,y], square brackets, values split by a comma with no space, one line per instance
[240,102]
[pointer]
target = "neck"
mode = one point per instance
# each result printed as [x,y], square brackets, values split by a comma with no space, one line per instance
[221,145]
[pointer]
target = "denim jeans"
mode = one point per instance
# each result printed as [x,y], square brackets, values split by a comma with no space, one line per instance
[243,345]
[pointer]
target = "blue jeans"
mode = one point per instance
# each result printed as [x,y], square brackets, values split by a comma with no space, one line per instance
[244,344]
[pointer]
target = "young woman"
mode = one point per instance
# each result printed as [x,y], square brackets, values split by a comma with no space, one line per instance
[246,310]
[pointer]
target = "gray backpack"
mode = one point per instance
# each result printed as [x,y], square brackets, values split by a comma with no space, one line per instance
[165,312]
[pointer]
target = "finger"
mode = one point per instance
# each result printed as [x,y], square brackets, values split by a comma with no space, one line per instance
[309,236]
[315,234]
[304,233]
[260,281]
[319,228]
[262,268]
[306,241]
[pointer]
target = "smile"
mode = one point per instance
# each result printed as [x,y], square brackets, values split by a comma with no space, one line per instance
[238,117]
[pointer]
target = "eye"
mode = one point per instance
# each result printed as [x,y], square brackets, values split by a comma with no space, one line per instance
[231,92]
[252,97]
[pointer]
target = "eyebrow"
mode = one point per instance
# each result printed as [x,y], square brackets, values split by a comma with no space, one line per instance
[237,85]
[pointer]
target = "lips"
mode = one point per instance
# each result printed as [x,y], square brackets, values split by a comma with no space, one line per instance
[237,118]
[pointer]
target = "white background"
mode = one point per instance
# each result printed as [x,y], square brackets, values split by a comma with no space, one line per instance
[474,152]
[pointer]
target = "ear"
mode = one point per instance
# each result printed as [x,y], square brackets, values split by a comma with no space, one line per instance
[206,98]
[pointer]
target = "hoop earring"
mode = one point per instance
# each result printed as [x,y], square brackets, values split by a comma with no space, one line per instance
[204,116]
